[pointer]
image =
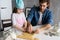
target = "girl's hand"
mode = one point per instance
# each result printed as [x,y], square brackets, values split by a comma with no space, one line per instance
[22,29]
[25,25]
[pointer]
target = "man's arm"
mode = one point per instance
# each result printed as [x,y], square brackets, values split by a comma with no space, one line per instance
[45,27]
[48,23]
[30,15]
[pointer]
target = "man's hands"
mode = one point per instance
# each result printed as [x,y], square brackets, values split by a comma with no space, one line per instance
[37,30]
[44,27]
[29,29]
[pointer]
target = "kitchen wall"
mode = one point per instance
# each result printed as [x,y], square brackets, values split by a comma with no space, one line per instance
[28,3]
[55,7]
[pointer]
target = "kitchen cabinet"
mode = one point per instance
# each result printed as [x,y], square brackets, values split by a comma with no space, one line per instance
[5,10]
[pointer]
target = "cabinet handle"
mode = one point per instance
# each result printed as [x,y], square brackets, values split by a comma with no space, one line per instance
[3,7]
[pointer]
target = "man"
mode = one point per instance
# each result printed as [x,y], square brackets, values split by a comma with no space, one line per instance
[41,16]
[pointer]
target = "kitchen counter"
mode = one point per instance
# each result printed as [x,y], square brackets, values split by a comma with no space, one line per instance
[41,35]
[1,35]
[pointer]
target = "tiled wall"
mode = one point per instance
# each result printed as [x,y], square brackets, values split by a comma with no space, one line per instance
[28,3]
[55,6]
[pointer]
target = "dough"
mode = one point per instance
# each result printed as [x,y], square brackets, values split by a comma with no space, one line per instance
[27,36]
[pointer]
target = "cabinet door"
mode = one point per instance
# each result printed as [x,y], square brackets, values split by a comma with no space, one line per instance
[6,9]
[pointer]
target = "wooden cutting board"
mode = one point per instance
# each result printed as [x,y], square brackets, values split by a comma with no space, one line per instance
[27,36]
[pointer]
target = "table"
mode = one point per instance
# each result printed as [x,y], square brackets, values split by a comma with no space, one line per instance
[41,35]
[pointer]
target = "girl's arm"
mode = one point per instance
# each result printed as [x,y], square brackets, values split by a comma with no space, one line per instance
[25,25]
[18,28]
[14,23]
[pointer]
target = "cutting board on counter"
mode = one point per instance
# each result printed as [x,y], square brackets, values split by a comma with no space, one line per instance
[27,36]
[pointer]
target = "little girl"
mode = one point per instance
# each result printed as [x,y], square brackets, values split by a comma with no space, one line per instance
[18,17]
